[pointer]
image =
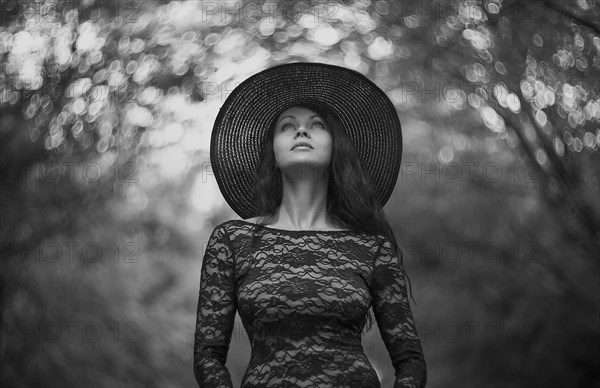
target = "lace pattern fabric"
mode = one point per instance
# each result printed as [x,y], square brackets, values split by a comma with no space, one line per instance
[303,297]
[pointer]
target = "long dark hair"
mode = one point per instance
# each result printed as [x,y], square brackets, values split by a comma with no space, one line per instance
[351,198]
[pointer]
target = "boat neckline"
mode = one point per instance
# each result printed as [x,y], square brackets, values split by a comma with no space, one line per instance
[298,231]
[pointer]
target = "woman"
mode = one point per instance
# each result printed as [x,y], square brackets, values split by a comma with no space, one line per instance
[307,154]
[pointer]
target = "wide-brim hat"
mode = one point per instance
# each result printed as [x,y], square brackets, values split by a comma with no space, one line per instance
[366,113]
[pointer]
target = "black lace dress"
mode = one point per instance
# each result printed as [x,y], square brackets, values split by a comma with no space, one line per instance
[303,297]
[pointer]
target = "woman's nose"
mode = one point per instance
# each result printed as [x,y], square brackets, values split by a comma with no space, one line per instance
[301,132]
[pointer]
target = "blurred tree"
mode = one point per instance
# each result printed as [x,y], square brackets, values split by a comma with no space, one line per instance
[102,82]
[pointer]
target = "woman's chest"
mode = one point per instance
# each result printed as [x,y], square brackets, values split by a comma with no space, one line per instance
[328,280]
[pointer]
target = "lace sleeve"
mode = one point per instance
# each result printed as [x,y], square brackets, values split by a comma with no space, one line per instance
[216,313]
[395,321]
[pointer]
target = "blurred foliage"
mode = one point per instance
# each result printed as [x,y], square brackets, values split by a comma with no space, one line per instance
[116,101]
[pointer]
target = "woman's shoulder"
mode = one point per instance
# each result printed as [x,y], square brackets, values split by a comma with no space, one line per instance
[231,224]
[236,226]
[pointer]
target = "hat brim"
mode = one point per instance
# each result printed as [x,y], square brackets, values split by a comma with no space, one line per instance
[366,113]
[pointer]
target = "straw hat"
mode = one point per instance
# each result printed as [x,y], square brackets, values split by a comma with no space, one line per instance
[364,110]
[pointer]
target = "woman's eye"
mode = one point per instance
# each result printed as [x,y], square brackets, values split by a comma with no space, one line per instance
[287,126]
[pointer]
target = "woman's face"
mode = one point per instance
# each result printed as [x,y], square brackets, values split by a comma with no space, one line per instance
[301,125]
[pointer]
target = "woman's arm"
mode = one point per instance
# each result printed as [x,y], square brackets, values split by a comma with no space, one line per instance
[395,320]
[216,313]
